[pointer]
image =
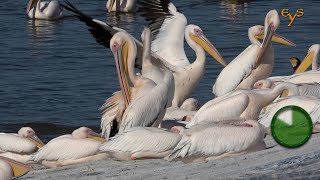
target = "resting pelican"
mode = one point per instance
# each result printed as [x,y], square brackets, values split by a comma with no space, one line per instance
[49,10]
[309,104]
[79,147]
[169,27]
[19,146]
[255,62]
[121,5]
[214,141]
[305,89]
[141,143]
[245,104]
[12,169]
[300,76]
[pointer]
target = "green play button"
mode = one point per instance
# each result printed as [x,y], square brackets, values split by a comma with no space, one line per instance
[291,126]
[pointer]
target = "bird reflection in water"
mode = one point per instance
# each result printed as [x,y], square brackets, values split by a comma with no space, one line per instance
[123,20]
[235,8]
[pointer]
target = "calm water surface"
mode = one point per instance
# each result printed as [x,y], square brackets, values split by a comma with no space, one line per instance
[54,76]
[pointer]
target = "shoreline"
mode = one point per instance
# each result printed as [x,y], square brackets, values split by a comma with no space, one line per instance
[275,162]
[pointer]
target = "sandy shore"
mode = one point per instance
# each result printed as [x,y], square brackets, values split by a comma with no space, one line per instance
[274,162]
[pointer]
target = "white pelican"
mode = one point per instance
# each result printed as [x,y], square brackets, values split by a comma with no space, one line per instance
[145,101]
[12,169]
[169,27]
[141,143]
[255,62]
[188,108]
[127,108]
[214,141]
[121,5]
[245,104]
[305,89]
[79,147]
[300,76]
[19,146]
[49,10]
[309,104]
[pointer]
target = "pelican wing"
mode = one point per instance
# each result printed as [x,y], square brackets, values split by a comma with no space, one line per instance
[139,139]
[66,148]
[223,138]
[148,105]
[168,26]
[14,143]
[112,111]
[236,71]
[218,109]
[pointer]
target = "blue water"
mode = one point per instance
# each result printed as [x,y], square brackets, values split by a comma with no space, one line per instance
[54,76]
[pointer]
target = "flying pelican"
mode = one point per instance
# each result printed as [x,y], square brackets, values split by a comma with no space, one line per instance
[121,5]
[12,169]
[141,143]
[215,141]
[169,27]
[245,104]
[79,147]
[255,62]
[309,104]
[299,75]
[49,10]
[305,89]
[19,146]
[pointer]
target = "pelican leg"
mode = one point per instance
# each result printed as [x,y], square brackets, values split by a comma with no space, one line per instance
[149,155]
[225,155]
[59,163]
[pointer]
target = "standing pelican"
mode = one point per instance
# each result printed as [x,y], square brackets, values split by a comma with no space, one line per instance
[145,101]
[49,10]
[12,169]
[169,27]
[299,75]
[121,5]
[19,146]
[255,62]
[214,141]
[79,147]
[141,143]
[128,108]
[245,104]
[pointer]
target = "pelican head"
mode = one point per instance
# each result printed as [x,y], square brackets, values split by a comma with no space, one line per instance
[29,133]
[120,48]
[263,84]
[110,4]
[271,23]
[258,32]
[85,132]
[295,63]
[13,168]
[311,58]
[196,34]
